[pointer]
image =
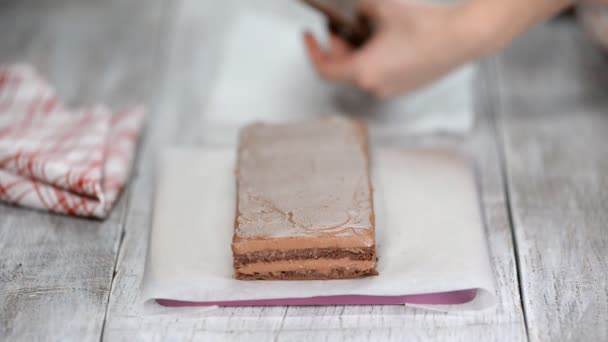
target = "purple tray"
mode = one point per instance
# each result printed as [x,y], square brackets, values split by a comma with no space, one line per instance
[454,297]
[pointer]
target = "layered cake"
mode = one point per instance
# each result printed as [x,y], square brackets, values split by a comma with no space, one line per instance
[304,202]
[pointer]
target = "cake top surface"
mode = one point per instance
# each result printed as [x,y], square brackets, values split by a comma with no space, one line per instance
[306,179]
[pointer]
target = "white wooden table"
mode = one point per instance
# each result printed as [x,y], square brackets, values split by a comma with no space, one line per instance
[540,144]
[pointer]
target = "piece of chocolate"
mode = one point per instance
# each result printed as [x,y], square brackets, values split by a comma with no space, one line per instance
[304,202]
[345,20]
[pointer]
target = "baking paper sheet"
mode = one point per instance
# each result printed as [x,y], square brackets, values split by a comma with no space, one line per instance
[264,74]
[430,237]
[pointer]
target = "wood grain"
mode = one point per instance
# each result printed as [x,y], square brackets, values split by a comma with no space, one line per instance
[56,272]
[186,76]
[554,123]
[549,95]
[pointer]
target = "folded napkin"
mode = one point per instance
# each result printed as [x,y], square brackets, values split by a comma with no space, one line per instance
[73,162]
[430,240]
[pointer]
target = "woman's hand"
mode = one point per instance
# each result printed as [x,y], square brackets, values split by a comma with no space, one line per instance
[415,43]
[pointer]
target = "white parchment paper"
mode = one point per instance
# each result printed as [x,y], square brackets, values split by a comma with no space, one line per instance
[429,231]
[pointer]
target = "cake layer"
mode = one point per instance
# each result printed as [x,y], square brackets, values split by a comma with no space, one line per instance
[321,265]
[339,273]
[359,254]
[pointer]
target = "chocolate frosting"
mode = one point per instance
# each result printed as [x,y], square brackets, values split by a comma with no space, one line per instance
[304,180]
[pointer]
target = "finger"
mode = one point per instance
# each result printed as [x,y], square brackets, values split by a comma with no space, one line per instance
[339,49]
[329,66]
[315,53]
[373,71]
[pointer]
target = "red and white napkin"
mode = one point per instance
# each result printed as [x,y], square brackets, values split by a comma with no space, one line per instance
[66,161]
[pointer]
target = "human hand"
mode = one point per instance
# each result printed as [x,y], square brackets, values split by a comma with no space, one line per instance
[415,43]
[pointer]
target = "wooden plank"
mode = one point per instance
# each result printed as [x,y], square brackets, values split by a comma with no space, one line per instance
[186,77]
[56,271]
[554,122]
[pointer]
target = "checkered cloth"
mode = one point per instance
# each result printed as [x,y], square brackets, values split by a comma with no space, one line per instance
[73,162]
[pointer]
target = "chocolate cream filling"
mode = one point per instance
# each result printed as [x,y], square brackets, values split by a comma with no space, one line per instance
[321,265]
[356,254]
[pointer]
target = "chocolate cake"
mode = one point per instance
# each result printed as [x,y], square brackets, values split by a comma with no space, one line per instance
[304,202]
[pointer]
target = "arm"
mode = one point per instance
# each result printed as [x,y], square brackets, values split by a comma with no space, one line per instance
[416,43]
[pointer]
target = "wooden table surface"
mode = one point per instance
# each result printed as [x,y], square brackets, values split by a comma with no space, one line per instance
[540,142]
